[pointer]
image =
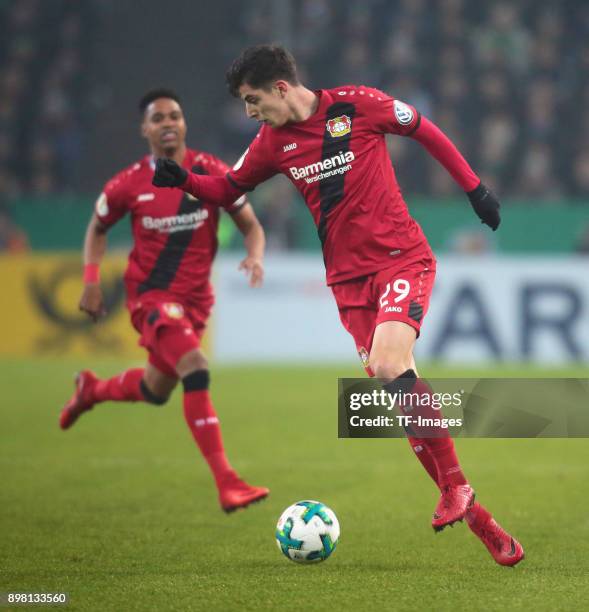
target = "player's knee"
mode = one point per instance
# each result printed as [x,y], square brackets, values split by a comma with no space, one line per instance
[192,361]
[157,399]
[177,346]
[388,369]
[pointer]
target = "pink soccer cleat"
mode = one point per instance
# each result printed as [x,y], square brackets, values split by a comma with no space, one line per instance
[81,401]
[504,548]
[234,493]
[453,504]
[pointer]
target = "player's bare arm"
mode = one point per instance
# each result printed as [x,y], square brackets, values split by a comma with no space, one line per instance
[254,240]
[92,302]
[167,285]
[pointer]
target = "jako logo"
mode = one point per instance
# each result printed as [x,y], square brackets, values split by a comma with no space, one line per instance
[289,147]
[338,164]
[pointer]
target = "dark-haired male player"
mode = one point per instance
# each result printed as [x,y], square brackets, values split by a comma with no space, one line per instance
[169,294]
[331,144]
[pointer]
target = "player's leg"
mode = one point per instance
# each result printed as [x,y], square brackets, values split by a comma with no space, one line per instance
[504,548]
[391,354]
[148,384]
[383,313]
[199,412]
[391,358]
[158,381]
[427,460]
[419,448]
[178,346]
[402,298]
[359,317]
[153,384]
[360,323]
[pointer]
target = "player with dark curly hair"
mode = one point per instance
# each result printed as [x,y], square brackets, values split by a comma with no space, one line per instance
[331,144]
[169,294]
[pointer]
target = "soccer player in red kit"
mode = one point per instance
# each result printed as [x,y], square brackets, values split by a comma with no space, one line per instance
[169,294]
[331,144]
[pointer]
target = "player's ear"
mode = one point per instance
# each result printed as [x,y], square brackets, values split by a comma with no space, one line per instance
[281,87]
[143,129]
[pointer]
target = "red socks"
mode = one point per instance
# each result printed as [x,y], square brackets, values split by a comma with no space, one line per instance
[477,516]
[421,452]
[443,454]
[440,458]
[202,420]
[124,387]
[441,448]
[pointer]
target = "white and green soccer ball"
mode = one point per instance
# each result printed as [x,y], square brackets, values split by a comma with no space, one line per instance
[307,532]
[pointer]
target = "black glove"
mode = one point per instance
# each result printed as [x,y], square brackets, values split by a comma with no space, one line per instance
[168,173]
[486,205]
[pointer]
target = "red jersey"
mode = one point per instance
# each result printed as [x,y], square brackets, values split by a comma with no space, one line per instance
[175,235]
[339,162]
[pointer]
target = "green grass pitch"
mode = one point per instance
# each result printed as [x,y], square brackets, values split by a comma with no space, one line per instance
[121,513]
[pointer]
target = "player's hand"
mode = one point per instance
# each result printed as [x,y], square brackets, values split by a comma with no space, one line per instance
[486,205]
[92,302]
[254,269]
[168,173]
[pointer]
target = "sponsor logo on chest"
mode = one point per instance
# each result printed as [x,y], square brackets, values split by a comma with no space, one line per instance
[176,223]
[338,164]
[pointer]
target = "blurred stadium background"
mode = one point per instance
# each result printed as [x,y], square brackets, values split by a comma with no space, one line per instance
[508,81]
[121,512]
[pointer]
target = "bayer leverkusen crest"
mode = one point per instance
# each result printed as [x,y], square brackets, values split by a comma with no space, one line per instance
[364,356]
[339,126]
[173,310]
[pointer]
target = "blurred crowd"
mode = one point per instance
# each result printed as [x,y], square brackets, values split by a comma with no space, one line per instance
[507,80]
[41,58]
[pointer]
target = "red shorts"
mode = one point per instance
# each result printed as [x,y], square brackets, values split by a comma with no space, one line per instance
[157,309]
[397,293]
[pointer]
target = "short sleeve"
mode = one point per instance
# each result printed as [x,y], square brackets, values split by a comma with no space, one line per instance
[387,115]
[256,165]
[113,203]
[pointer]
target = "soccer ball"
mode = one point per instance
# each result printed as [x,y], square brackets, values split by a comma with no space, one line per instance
[307,532]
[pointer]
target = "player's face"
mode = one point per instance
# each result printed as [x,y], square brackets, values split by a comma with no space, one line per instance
[164,126]
[266,106]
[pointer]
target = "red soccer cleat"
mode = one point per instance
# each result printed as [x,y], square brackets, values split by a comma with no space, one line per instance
[453,504]
[234,493]
[505,549]
[80,401]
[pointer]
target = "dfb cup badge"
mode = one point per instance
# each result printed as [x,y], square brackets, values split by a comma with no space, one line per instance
[339,126]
